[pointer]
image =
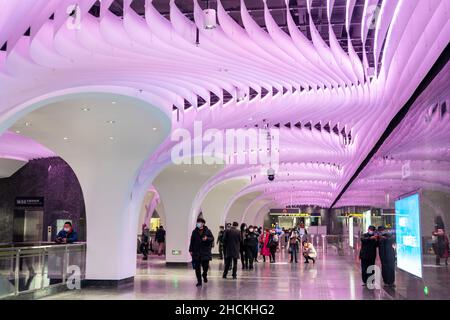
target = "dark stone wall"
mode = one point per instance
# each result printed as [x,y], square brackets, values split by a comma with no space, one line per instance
[53,179]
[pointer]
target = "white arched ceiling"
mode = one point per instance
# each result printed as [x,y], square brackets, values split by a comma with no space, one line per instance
[214,204]
[329,108]
[17,150]
[178,186]
[236,207]
[308,83]
[250,214]
[104,138]
[144,213]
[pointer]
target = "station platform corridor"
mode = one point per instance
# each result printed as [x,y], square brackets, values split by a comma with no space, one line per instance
[332,277]
[191,128]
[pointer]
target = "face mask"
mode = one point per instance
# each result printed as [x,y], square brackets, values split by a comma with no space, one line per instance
[251,230]
[66,229]
[371,232]
[199,225]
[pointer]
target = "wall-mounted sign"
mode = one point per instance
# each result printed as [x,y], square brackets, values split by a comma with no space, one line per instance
[176,252]
[28,202]
[284,211]
[355,215]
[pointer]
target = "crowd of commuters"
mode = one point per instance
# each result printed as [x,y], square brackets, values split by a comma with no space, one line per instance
[245,243]
[147,244]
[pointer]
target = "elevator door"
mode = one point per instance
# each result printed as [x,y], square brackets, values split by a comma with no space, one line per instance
[28,225]
[33,226]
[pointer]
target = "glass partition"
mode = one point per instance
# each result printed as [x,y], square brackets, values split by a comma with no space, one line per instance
[414,159]
[30,269]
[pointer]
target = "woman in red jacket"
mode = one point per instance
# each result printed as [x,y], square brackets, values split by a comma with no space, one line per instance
[264,240]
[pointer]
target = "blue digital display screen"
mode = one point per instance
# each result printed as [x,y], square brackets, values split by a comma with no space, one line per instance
[409,244]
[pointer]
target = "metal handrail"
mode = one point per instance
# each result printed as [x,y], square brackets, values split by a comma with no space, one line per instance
[15,254]
[62,245]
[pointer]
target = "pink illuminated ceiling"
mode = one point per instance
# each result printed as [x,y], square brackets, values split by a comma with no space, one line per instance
[17,147]
[331,102]
[421,144]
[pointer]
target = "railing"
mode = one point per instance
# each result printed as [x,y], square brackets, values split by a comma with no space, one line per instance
[27,269]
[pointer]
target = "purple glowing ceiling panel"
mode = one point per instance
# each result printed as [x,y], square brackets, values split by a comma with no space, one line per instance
[415,156]
[18,147]
[331,89]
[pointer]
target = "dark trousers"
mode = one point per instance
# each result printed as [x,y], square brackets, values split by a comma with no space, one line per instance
[273,250]
[198,272]
[221,251]
[365,264]
[388,272]
[224,252]
[243,258]
[307,258]
[144,249]
[228,261]
[293,251]
[249,258]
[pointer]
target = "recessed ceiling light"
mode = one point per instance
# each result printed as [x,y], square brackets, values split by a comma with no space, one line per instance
[154,129]
[113,102]
[111,138]
[85,109]
[17,131]
[250,119]
[185,171]
[27,124]
[111,121]
[66,138]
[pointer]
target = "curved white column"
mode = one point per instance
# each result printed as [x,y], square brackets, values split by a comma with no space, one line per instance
[215,202]
[178,186]
[106,158]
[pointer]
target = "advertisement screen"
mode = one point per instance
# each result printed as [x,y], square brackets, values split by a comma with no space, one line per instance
[409,247]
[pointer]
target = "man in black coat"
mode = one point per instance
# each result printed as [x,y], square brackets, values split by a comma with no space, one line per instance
[220,241]
[251,242]
[387,256]
[231,243]
[200,250]
[368,252]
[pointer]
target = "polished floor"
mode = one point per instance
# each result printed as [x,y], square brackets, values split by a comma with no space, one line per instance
[332,277]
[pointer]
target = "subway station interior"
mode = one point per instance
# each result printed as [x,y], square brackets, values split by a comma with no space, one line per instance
[318,128]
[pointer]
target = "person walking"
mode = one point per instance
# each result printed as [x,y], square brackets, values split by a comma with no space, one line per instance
[242,249]
[200,246]
[160,238]
[293,246]
[440,241]
[264,240]
[220,241]
[251,246]
[257,248]
[145,241]
[273,245]
[368,252]
[386,252]
[231,243]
